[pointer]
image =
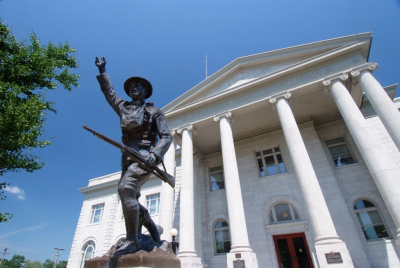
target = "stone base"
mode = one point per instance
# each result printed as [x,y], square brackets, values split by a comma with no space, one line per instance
[327,248]
[249,258]
[162,257]
[191,262]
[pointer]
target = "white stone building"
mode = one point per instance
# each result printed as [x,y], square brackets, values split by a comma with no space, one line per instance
[288,158]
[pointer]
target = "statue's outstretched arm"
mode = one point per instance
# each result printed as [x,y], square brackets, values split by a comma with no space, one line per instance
[106,86]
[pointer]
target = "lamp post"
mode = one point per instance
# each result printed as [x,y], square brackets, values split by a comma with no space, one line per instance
[58,254]
[5,253]
[174,244]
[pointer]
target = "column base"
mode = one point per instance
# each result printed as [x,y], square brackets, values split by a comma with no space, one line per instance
[249,258]
[190,262]
[240,248]
[335,246]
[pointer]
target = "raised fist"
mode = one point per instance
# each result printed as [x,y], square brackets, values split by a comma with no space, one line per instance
[101,65]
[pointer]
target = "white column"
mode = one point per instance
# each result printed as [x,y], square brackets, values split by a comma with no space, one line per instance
[383,174]
[319,214]
[237,218]
[187,252]
[379,100]
[167,196]
[326,239]
[198,193]
[186,223]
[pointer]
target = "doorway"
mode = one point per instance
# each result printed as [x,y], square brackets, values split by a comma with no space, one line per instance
[292,251]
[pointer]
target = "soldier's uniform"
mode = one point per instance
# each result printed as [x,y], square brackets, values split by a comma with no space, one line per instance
[142,125]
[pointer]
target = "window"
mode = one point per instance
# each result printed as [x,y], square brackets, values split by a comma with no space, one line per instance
[217,179]
[153,203]
[371,222]
[340,152]
[222,237]
[283,212]
[97,212]
[270,162]
[87,252]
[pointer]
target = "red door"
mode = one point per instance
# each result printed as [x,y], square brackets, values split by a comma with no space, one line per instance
[292,251]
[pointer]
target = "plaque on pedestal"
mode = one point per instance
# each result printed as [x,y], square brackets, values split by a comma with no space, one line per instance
[333,257]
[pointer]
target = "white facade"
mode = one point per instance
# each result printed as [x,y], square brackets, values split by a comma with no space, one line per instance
[280,159]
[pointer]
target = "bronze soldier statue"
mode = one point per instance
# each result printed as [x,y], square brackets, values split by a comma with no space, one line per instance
[142,126]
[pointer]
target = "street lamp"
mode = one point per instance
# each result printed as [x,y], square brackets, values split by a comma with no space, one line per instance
[174,244]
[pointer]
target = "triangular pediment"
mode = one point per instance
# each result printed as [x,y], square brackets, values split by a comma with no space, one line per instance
[241,76]
[246,70]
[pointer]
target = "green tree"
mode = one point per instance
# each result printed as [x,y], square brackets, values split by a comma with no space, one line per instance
[27,70]
[4,263]
[33,264]
[17,261]
[62,264]
[6,216]
[48,263]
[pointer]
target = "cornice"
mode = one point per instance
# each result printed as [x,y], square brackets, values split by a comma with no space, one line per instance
[271,56]
[99,186]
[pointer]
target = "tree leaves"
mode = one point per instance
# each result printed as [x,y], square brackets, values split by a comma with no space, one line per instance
[27,70]
[18,261]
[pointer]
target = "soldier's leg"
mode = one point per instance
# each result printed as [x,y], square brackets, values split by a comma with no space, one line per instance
[132,178]
[149,224]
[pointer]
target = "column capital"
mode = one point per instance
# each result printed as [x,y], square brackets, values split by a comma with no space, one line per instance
[370,66]
[189,127]
[228,116]
[285,94]
[328,80]
[274,98]
[173,132]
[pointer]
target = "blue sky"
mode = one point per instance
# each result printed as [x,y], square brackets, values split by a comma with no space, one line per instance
[165,42]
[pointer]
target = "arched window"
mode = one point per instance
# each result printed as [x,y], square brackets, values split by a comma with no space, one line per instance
[283,212]
[370,220]
[222,237]
[87,252]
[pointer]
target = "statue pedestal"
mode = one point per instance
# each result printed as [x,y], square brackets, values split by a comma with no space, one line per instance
[162,257]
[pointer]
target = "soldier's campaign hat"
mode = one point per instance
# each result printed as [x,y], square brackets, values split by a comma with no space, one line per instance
[144,82]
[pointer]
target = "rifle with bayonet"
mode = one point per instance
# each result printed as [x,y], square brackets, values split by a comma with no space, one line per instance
[136,157]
